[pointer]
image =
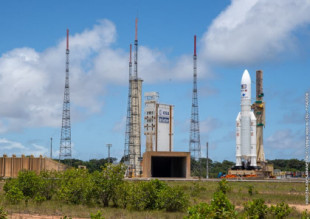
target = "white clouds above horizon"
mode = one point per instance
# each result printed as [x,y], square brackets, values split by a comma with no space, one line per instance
[32,83]
[251,31]
[9,148]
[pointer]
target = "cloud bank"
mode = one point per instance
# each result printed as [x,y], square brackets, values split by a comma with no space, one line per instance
[32,83]
[250,31]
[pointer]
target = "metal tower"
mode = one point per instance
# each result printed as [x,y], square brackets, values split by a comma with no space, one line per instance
[194,142]
[128,118]
[135,120]
[65,139]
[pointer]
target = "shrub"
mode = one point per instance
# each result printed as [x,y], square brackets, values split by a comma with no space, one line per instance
[172,199]
[223,186]
[222,207]
[14,195]
[106,182]
[305,214]
[120,199]
[256,209]
[200,211]
[28,183]
[281,210]
[75,187]
[3,213]
[250,190]
[98,215]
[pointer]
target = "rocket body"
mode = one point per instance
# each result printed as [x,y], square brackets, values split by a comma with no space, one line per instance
[246,127]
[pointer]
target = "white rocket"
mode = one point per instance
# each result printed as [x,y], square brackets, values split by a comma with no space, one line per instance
[246,127]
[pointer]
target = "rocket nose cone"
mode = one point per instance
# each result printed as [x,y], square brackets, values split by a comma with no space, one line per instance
[246,79]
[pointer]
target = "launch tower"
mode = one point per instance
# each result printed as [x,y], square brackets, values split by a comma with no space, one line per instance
[135,118]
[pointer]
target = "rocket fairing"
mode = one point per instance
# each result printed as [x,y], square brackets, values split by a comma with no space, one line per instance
[246,127]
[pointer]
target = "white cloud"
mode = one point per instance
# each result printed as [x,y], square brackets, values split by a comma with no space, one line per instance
[209,124]
[285,143]
[11,147]
[32,83]
[249,31]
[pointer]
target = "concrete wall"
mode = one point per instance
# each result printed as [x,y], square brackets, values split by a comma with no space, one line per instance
[10,166]
[185,164]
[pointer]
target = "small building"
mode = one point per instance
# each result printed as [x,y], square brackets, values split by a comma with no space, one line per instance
[158,124]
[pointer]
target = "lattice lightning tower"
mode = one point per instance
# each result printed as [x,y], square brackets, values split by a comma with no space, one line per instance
[194,142]
[128,118]
[135,126]
[65,139]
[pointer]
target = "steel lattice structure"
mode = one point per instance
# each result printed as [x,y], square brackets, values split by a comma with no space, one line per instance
[65,139]
[194,142]
[135,119]
[128,118]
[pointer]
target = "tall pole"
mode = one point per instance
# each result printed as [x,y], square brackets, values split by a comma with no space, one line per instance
[194,142]
[109,158]
[65,138]
[128,118]
[51,154]
[307,146]
[207,175]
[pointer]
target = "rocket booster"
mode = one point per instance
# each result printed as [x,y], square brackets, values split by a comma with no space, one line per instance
[246,127]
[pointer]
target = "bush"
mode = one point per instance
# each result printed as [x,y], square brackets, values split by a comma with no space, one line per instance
[280,211]
[3,213]
[172,199]
[220,207]
[256,209]
[144,195]
[75,187]
[106,182]
[223,186]
[14,195]
[98,215]
[250,190]
[29,183]
[200,211]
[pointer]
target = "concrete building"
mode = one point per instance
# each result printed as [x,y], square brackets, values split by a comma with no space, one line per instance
[10,166]
[158,124]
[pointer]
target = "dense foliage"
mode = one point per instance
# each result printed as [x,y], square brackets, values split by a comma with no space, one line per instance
[92,165]
[99,188]
[221,207]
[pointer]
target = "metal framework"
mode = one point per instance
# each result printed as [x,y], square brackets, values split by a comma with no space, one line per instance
[307,147]
[128,118]
[65,139]
[135,119]
[194,142]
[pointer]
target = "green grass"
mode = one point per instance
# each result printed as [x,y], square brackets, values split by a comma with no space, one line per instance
[272,193]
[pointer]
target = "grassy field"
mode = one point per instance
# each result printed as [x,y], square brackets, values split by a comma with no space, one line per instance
[272,193]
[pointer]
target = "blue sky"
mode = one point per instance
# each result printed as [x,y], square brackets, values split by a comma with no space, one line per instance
[232,36]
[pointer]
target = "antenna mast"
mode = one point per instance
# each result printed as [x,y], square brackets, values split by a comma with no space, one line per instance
[128,118]
[194,142]
[65,139]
